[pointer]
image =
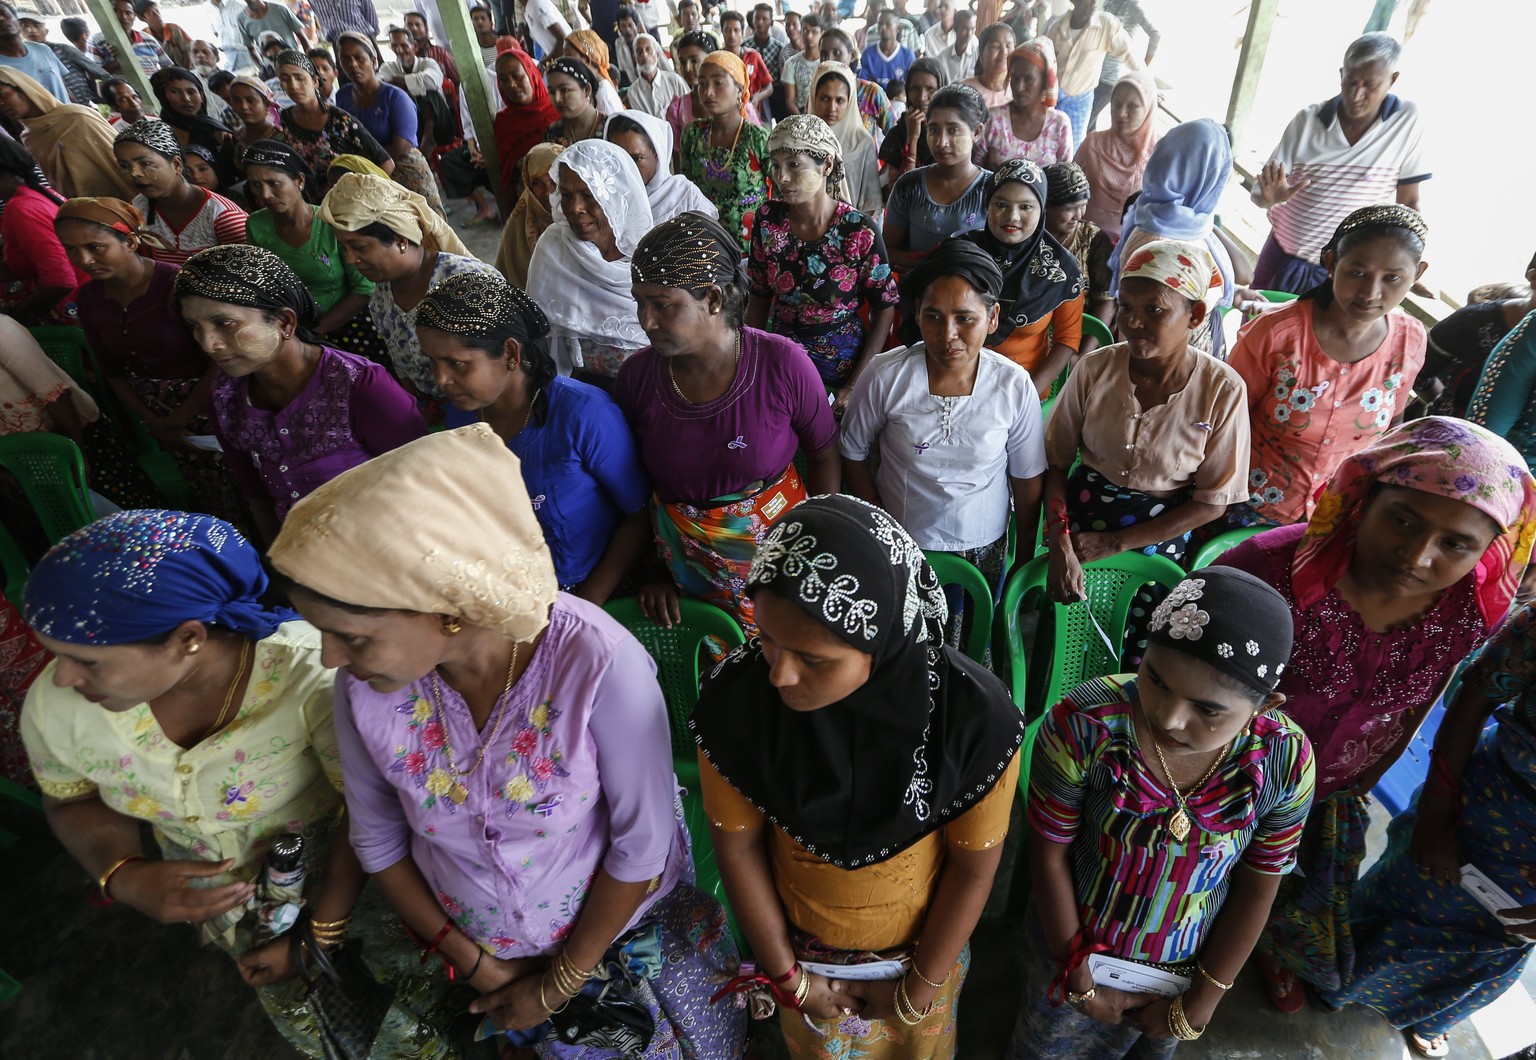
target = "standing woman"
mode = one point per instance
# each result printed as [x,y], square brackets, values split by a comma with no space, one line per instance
[180,218]
[394,239]
[563,859]
[1083,38]
[36,274]
[184,107]
[1411,558]
[992,78]
[1329,373]
[719,410]
[816,261]
[834,101]
[288,225]
[932,203]
[317,130]
[1040,322]
[387,112]
[580,274]
[155,368]
[647,140]
[1115,158]
[289,412]
[530,216]
[87,166]
[573,90]
[723,153]
[1029,126]
[524,121]
[487,342]
[858,775]
[905,147]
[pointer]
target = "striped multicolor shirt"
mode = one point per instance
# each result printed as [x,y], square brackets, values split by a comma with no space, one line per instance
[1139,891]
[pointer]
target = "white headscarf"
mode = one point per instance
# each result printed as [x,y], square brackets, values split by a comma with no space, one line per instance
[670,193]
[860,170]
[587,299]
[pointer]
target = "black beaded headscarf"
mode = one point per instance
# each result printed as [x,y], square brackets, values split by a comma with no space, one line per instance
[576,69]
[245,275]
[1394,220]
[152,133]
[1066,182]
[294,57]
[477,305]
[274,154]
[691,252]
[1231,621]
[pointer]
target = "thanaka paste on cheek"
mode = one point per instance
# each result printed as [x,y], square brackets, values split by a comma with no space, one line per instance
[963,142]
[806,179]
[258,340]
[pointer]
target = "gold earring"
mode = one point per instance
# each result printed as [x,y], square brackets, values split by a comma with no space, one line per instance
[451,627]
[193,649]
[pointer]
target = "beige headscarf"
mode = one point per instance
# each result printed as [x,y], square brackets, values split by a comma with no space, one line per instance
[528,220]
[358,200]
[87,166]
[441,525]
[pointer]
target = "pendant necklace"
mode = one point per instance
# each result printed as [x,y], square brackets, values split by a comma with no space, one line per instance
[457,792]
[1181,821]
[722,170]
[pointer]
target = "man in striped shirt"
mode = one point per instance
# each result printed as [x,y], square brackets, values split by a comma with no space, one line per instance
[1362,147]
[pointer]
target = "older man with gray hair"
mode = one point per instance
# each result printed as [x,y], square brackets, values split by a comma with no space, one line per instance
[1362,147]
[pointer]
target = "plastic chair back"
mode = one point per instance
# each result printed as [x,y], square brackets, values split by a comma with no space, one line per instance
[1212,550]
[52,474]
[67,348]
[677,654]
[952,570]
[1279,296]
[1095,328]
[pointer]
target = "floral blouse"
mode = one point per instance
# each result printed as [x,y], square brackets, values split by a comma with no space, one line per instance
[342,135]
[815,290]
[734,179]
[1054,144]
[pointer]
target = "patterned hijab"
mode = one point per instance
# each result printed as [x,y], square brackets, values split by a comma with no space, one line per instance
[924,739]
[1185,267]
[247,275]
[807,134]
[357,201]
[530,217]
[1439,455]
[1039,274]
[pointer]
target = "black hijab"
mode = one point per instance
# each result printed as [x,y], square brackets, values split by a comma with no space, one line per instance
[955,256]
[924,739]
[1038,274]
[200,128]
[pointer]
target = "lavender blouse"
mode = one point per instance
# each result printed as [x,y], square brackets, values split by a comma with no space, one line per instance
[579,778]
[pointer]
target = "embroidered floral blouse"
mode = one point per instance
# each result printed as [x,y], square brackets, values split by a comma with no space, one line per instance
[1308,412]
[273,769]
[577,778]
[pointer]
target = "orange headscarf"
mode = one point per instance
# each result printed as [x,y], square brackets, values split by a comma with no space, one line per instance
[593,50]
[732,64]
[1041,53]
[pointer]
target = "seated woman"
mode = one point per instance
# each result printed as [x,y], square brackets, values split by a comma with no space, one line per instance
[1029,126]
[252,102]
[317,130]
[905,147]
[1428,955]
[1040,322]
[1459,346]
[523,121]
[36,277]
[932,203]
[155,368]
[1066,206]
[579,274]
[816,262]
[719,410]
[561,706]
[833,100]
[289,412]
[1161,428]
[1329,373]
[184,107]
[176,701]
[1411,558]
[647,140]
[821,867]
[530,216]
[1505,398]
[87,165]
[487,342]
[958,425]
[202,168]
[180,218]
[386,112]
[722,152]
[992,79]
[589,48]
[1168,859]
[874,105]
[573,90]
[288,225]
[1115,158]
[397,242]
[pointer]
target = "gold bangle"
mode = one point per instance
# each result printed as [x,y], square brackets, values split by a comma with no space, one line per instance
[1209,978]
[924,979]
[802,989]
[330,925]
[907,1012]
[1179,1023]
[551,1011]
[562,984]
[106,877]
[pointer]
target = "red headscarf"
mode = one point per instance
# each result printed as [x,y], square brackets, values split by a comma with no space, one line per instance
[521,127]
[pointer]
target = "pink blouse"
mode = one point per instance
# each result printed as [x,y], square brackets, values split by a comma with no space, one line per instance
[1054,144]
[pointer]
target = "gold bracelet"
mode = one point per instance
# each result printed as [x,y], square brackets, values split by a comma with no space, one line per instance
[570,973]
[544,1003]
[925,980]
[330,925]
[562,984]
[1209,978]
[802,989]
[907,1012]
[105,879]
[1179,1023]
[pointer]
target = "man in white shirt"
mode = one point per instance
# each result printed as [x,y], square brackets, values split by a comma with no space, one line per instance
[937,36]
[654,88]
[236,58]
[546,25]
[408,70]
[958,57]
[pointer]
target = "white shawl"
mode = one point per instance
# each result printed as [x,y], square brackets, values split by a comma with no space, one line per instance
[669,193]
[860,171]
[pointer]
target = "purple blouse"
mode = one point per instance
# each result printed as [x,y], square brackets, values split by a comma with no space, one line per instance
[696,453]
[1351,689]
[579,778]
[145,338]
[350,410]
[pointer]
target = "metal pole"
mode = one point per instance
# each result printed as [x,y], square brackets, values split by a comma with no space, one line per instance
[1250,65]
[466,50]
[132,72]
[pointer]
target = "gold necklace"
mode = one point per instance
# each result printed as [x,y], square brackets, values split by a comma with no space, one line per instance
[229,696]
[1180,823]
[735,359]
[458,792]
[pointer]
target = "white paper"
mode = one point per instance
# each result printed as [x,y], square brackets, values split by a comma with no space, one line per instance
[1490,895]
[205,441]
[1135,978]
[861,973]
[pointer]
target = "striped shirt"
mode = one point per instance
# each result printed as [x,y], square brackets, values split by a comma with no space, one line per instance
[219,221]
[1344,176]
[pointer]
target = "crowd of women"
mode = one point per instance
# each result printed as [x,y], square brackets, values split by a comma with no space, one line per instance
[777,368]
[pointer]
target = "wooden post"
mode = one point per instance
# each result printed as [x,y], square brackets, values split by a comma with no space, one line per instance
[1250,64]
[482,111]
[132,72]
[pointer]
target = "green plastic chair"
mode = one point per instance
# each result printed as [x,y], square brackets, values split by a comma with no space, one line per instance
[1211,551]
[14,568]
[52,474]
[1095,328]
[1077,652]
[706,869]
[1279,296]
[952,570]
[67,348]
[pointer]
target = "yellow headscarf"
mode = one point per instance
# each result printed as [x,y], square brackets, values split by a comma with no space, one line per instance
[358,200]
[87,166]
[441,525]
[357,164]
[528,220]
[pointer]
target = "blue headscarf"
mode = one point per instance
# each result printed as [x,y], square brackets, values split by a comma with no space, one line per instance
[137,575]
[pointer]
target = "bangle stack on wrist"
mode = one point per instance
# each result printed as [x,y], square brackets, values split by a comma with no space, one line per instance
[568,979]
[1178,1023]
[907,1012]
[329,934]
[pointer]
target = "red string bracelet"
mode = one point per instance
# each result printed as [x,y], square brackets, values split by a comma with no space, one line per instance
[1080,950]
[429,948]
[1057,521]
